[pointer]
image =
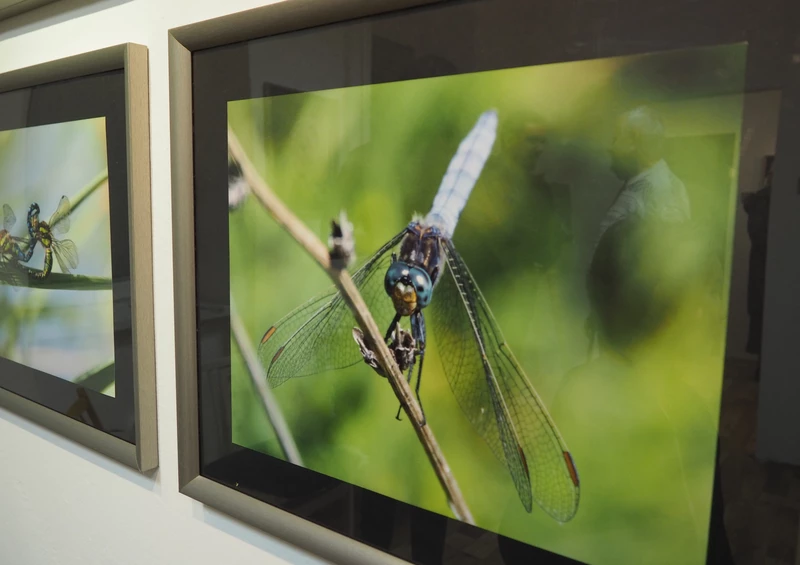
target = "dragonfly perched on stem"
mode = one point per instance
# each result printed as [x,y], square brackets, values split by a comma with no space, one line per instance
[65,251]
[9,245]
[418,274]
[12,249]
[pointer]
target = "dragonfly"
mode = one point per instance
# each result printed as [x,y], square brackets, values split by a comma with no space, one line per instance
[12,249]
[65,251]
[9,245]
[418,274]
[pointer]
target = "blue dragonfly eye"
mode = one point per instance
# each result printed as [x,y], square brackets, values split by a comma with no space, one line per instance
[406,275]
[422,284]
[397,272]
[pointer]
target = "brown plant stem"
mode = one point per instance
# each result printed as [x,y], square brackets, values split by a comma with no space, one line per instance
[259,380]
[344,283]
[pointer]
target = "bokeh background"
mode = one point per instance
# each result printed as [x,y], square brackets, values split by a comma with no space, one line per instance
[641,423]
[66,333]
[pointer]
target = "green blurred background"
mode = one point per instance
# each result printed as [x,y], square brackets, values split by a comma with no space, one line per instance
[641,426]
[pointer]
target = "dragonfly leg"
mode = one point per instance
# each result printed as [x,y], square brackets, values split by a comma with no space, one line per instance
[392,327]
[419,381]
[409,374]
[419,333]
[386,338]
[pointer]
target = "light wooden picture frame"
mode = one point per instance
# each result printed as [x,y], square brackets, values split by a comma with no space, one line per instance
[11,8]
[140,451]
[281,17]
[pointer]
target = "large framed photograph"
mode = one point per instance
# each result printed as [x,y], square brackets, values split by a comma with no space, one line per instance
[76,289]
[432,276]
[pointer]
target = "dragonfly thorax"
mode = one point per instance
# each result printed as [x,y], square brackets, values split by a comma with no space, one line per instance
[411,277]
[44,234]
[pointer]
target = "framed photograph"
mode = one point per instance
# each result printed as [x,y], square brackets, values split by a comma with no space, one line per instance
[431,273]
[76,289]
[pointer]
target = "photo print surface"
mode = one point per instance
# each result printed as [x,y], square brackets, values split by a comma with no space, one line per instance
[553,242]
[56,292]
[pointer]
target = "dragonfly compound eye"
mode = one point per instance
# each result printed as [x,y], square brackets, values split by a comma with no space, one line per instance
[397,272]
[409,287]
[423,286]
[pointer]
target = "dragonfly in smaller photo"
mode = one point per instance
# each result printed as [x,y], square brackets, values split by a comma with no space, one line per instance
[9,245]
[12,249]
[65,251]
[420,276]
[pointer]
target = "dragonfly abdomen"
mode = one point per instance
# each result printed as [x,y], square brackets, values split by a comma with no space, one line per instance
[48,264]
[462,174]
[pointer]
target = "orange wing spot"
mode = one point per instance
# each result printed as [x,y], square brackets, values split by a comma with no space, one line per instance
[524,460]
[573,472]
[278,354]
[268,335]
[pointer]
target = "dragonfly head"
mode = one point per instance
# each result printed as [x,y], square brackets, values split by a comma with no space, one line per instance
[409,287]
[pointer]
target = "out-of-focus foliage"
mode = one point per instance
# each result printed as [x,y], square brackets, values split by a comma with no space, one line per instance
[62,332]
[641,423]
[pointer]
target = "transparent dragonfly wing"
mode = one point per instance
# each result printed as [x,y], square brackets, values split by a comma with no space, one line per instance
[318,336]
[496,396]
[24,244]
[11,271]
[59,221]
[9,219]
[66,253]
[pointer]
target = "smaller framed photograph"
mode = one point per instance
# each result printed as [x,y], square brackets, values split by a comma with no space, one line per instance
[76,287]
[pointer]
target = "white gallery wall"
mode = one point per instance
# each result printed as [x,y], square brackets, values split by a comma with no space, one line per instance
[60,503]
